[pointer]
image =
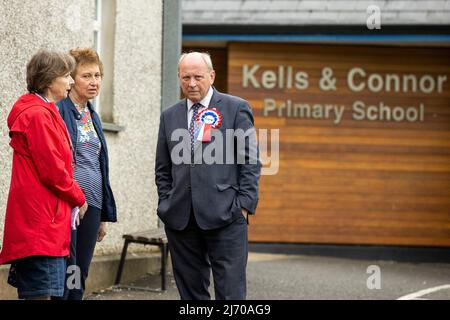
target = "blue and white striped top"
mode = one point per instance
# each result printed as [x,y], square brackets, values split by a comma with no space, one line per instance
[87,170]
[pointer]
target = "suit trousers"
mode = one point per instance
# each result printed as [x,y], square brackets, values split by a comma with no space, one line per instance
[195,252]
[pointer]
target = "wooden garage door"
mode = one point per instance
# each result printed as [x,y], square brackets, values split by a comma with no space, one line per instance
[364,142]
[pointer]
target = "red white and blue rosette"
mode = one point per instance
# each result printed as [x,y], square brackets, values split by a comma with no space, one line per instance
[207,119]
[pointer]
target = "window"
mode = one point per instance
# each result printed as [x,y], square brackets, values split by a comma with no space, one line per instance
[104,34]
[97,37]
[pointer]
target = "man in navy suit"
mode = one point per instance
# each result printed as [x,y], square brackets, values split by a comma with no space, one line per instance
[207,183]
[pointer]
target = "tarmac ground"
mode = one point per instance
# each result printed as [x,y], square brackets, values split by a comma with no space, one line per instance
[290,275]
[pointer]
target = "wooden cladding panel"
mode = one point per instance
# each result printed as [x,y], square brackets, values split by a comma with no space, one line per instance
[356,181]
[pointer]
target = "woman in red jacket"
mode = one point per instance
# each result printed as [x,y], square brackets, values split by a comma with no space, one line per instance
[42,191]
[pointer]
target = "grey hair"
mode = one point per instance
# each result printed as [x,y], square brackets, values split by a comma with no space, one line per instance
[205,56]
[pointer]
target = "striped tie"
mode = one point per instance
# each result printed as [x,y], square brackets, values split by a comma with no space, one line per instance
[195,108]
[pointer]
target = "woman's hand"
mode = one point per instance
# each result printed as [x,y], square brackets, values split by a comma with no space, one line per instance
[101,231]
[83,210]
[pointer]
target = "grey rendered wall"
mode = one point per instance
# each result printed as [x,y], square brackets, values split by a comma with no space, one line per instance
[137,106]
[28,25]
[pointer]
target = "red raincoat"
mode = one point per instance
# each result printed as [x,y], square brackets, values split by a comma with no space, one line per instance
[42,190]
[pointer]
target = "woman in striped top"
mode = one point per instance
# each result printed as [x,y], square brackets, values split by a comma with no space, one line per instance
[91,166]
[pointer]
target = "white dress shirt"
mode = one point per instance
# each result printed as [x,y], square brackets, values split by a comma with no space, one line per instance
[205,103]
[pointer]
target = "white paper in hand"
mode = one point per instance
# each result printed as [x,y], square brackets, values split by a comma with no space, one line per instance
[75,212]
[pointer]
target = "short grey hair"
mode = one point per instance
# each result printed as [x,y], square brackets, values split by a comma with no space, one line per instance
[205,55]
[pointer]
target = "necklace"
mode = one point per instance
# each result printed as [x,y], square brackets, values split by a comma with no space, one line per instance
[81,108]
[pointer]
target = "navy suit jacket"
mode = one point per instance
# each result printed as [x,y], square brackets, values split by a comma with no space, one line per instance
[216,191]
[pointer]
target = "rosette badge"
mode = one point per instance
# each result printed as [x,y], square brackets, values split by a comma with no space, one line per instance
[208,119]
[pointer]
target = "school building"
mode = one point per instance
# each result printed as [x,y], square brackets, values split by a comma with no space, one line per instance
[359,92]
[361,114]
